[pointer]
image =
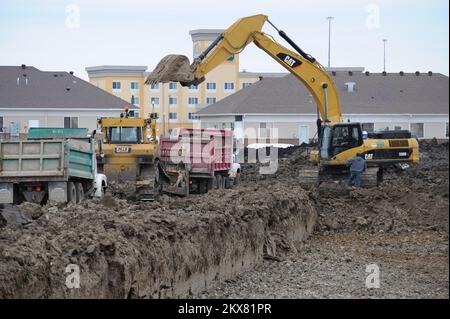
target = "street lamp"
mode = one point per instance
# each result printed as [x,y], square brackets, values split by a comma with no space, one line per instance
[329,40]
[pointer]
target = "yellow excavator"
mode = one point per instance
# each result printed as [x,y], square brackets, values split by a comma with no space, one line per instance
[125,152]
[338,141]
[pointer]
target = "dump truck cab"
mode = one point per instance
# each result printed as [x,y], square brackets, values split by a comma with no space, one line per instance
[125,150]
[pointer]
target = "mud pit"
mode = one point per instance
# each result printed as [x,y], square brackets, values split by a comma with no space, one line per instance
[209,245]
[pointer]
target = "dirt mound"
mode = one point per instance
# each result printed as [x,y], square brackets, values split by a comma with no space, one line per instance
[166,248]
[172,67]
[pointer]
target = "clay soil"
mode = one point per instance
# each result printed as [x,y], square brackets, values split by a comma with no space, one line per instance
[401,226]
[140,250]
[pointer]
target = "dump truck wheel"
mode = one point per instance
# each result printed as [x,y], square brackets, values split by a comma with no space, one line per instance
[71,193]
[80,192]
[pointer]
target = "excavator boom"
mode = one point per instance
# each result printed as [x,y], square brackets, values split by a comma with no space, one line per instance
[232,41]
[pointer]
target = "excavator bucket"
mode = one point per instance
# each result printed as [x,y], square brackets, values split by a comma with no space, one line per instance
[172,68]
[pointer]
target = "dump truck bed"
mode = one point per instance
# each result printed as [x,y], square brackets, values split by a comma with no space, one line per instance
[46,160]
[203,150]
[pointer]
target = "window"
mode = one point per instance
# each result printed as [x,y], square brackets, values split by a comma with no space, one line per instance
[210,86]
[134,100]
[1,123]
[133,113]
[124,134]
[417,129]
[211,100]
[173,86]
[134,86]
[192,116]
[116,85]
[154,101]
[172,116]
[238,118]
[193,101]
[265,130]
[193,87]
[70,122]
[246,84]
[154,87]
[172,101]
[368,127]
[229,86]
[446,129]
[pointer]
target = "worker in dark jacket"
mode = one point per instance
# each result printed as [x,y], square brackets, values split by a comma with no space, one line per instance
[357,166]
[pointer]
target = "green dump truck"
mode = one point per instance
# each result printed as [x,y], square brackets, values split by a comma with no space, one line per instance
[55,164]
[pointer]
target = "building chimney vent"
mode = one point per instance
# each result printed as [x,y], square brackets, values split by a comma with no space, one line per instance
[260,77]
[71,72]
[350,73]
[430,73]
[384,73]
[402,73]
[350,87]
[417,73]
[23,66]
[367,73]
[67,89]
[334,73]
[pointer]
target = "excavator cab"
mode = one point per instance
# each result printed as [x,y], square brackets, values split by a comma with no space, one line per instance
[340,138]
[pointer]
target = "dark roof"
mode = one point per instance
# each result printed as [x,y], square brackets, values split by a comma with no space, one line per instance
[58,90]
[374,94]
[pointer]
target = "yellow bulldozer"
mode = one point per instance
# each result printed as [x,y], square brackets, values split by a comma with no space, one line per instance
[125,151]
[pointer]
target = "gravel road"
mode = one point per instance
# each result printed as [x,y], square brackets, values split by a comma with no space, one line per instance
[413,265]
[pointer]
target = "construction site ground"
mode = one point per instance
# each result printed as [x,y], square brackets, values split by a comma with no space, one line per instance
[266,238]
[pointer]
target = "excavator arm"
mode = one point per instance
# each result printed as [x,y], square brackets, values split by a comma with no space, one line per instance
[233,41]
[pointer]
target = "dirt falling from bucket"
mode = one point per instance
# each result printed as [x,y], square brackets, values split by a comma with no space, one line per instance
[173,67]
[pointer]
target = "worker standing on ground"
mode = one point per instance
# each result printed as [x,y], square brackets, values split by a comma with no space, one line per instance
[357,166]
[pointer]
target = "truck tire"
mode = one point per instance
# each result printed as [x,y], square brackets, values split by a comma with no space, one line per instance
[71,193]
[203,186]
[80,192]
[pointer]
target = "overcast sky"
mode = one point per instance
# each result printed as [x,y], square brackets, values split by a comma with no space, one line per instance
[62,35]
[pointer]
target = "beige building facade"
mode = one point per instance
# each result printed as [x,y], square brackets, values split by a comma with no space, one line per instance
[175,105]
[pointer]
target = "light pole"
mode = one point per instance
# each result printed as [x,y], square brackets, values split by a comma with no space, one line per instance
[384,55]
[329,40]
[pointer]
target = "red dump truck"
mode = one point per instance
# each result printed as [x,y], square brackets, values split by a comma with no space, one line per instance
[195,161]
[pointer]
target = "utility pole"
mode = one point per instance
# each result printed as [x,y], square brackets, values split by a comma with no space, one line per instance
[329,40]
[384,55]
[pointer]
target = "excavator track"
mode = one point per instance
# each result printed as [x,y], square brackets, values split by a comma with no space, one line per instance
[309,177]
[313,176]
[370,178]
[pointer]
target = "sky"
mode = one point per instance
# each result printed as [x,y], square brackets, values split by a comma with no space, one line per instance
[60,35]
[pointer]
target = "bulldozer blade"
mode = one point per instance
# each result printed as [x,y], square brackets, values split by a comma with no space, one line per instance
[172,68]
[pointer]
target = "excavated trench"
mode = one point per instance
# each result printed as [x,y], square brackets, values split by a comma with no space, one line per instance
[178,247]
[170,248]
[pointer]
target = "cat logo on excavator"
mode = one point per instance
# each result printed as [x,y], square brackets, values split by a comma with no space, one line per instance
[293,63]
